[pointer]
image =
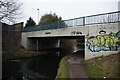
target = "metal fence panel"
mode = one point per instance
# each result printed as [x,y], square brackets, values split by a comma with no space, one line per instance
[82,21]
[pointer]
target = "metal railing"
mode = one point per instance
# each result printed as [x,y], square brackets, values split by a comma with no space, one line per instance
[112,17]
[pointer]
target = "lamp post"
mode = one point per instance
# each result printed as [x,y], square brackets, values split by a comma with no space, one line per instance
[38,15]
[38,23]
[37,45]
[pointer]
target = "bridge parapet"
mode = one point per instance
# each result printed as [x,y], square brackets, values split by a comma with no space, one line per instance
[112,17]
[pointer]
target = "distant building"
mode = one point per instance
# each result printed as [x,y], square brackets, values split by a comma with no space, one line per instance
[11,35]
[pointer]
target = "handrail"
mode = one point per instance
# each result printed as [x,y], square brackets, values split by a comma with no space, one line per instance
[111,17]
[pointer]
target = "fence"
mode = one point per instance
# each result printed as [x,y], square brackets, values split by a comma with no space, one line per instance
[81,21]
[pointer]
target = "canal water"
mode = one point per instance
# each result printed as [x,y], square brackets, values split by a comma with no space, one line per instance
[43,66]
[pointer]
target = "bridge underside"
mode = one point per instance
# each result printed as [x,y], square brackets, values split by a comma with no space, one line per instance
[65,44]
[58,37]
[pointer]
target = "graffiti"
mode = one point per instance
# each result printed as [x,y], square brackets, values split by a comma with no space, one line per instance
[118,34]
[76,32]
[104,42]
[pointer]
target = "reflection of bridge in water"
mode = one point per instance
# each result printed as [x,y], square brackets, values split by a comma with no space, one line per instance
[86,28]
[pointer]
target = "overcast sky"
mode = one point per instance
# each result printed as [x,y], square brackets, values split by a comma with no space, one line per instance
[67,9]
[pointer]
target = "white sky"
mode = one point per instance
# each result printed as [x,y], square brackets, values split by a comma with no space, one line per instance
[67,9]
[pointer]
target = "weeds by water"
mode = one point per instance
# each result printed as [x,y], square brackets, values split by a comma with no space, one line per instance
[63,71]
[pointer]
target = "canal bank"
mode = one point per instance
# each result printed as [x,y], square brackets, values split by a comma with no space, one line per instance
[63,70]
[19,54]
[71,67]
[104,67]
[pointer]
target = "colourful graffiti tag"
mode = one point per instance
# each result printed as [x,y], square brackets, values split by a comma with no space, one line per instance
[109,42]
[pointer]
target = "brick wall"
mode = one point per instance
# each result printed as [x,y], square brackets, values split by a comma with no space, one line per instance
[11,36]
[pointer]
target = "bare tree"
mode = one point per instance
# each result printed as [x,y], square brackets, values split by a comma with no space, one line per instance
[10,10]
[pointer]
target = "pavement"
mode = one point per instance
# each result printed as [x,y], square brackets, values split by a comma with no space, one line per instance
[76,68]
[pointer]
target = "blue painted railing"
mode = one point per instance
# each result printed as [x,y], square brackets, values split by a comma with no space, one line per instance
[81,21]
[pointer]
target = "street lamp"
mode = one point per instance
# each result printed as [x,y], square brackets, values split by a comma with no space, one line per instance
[38,23]
[38,15]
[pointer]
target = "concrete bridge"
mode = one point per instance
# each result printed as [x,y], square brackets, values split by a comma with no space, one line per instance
[101,33]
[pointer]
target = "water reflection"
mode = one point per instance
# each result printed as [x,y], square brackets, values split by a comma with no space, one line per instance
[11,69]
[44,66]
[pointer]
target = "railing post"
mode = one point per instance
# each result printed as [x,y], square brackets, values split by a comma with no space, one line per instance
[58,24]
[72,23]
[83,21]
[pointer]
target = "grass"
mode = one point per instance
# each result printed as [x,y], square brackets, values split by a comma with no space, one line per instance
[63,71]
[103,67]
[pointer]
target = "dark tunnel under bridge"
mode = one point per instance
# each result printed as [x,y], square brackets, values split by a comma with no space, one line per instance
[65,43]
